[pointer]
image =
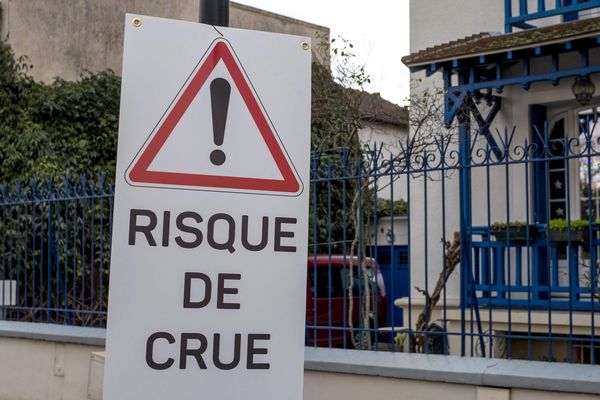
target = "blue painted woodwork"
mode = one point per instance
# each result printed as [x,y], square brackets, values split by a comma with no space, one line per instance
[539,138]
[568,9]
[484,123]
[468,296]
[458,93]
[490,257]
[393,262]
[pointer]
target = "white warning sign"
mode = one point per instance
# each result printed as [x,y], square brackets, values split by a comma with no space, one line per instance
[216,135]
[208,264]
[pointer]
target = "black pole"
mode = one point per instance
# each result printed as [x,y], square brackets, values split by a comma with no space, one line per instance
[214,12]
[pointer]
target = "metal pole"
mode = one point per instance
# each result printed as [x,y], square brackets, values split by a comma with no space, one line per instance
[464,138]
[214,12]
[464,133]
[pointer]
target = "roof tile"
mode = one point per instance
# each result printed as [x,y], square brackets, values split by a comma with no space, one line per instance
[490,42]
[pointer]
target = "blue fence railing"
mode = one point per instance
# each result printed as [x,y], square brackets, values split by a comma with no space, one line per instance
[385,269]
[519,13]
[55,251]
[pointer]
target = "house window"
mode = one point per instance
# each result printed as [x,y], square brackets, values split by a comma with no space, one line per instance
[558,196]
[589,167]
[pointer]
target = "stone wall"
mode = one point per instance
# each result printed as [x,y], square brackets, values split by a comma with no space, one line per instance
[64,38]
[56,362]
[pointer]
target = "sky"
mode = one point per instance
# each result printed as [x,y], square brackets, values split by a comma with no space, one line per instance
[378,29]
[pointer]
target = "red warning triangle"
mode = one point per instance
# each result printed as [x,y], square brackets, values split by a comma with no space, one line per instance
[139,173]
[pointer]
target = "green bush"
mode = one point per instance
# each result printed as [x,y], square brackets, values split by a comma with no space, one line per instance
[59,129]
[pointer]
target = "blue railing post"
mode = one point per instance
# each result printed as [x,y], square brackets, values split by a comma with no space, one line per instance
[507,16]
[523,7]
[465,216]
[49,250]
[541,5]
[570,16]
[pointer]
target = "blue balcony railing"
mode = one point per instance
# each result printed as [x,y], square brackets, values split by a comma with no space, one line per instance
[520,15]
[544,269]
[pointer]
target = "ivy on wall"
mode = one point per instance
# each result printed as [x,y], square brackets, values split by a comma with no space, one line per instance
[64,128]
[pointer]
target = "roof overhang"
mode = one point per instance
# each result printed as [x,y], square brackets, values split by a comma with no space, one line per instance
[489,44]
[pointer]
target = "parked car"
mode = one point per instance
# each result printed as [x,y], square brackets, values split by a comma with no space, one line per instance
[328,301]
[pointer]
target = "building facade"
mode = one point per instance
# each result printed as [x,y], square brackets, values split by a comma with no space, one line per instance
[518,79]
[64,38]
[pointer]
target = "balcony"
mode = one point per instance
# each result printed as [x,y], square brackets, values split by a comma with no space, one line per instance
[520,14]
[536,266]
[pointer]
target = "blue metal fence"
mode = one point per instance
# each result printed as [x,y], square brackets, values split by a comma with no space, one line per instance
[55,251]
[384,245]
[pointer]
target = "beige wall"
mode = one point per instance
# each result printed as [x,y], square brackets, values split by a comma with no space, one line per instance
[332,386]
[335,386]
[67,37]
[43,370]
[47,370]
[455,19]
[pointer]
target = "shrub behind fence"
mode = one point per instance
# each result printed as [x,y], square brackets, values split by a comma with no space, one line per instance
[55,251]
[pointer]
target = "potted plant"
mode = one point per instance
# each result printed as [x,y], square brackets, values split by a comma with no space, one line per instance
[515,231]
[562,230]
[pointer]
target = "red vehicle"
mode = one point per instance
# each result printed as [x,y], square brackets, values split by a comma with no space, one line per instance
[328,300]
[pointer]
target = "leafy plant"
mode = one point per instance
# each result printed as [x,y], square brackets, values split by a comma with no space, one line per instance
[385,206]
[574,225]
[53,130]
[500,226]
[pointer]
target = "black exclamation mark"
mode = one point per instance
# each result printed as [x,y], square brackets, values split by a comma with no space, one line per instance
[219,98]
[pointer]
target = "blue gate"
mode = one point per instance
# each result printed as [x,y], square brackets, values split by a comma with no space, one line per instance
[393,261]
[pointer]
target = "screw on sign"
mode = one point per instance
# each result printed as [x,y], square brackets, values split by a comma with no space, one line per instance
[210,215]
